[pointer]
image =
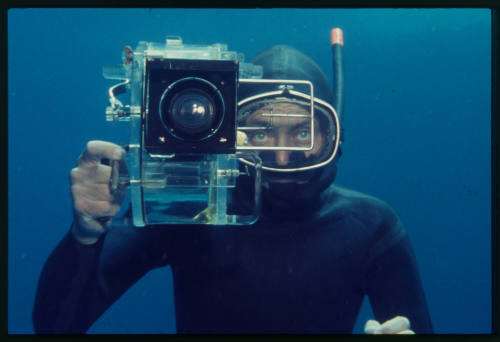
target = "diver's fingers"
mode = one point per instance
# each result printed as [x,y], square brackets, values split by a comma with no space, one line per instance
[406,332]
[395,325]
[96,150]
[372,327]
[92,192]
[93,208]
[93,228]
[99,174]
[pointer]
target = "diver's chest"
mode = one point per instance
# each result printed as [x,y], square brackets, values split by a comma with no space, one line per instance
[268,279]
[267,259]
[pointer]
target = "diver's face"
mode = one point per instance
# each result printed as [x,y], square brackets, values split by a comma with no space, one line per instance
[286,131]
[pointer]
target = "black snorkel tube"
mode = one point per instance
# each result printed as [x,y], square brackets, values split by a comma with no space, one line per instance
[337,41]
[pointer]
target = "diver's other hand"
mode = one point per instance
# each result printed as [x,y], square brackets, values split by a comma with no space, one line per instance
[396,325]
[93,204]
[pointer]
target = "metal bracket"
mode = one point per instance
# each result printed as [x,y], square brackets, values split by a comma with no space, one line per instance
[116,111]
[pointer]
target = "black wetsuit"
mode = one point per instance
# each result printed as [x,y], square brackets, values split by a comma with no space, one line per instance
[277,276]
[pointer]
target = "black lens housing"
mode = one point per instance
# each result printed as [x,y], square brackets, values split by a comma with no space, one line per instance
[172,87]
[191,127]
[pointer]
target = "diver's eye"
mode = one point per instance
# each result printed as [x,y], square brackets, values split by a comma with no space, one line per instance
[303,135]
[260,137]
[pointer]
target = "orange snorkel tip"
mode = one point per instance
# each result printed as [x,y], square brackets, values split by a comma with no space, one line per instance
[337,36]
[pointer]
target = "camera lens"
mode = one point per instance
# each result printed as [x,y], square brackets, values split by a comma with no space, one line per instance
[192,111]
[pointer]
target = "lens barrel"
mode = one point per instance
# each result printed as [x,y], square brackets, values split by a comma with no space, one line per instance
[192,109]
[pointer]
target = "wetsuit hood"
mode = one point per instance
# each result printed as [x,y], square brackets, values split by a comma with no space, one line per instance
[286,62]
[294,200]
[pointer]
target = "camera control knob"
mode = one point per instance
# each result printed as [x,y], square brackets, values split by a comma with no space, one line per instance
[228,173]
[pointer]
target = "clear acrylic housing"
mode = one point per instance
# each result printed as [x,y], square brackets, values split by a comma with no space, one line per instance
[197,192]
[164,190]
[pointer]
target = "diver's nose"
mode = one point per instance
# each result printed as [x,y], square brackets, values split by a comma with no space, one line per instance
[282,158]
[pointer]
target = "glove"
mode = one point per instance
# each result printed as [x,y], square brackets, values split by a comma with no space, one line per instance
[396,325]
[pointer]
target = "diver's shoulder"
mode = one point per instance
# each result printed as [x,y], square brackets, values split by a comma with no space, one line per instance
[347,196]
[368,221]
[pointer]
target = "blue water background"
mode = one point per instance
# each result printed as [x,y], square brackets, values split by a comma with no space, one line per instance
[417,135]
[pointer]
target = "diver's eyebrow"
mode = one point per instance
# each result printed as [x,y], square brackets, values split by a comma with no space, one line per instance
[302,125]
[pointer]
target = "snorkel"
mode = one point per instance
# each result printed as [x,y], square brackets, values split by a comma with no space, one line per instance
[337,41]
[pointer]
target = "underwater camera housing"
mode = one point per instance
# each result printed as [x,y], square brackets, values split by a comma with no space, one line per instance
[182,158]
[197,115]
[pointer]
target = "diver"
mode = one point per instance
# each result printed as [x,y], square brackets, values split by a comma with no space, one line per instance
[303,268]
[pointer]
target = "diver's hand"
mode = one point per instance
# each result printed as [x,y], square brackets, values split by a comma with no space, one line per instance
[93,204]
[396,325]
